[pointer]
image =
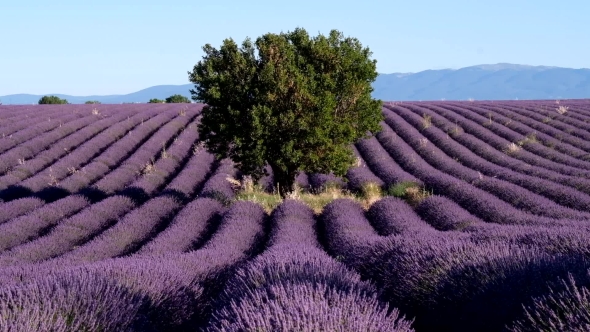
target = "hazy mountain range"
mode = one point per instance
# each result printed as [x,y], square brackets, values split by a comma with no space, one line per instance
[483,82]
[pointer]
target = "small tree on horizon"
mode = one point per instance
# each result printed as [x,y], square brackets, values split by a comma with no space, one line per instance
[178,99]
[156,101]
[92,102]
[52,100]
[290,101]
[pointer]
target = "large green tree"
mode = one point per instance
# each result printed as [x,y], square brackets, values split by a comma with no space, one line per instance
[288,100]
[52,100]
[177,99]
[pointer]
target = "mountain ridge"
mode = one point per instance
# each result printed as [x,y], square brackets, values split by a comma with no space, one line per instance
[501,81]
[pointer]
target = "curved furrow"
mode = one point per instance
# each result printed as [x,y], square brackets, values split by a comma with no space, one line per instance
[128,233]
[189,229]
[37,143]
[495,183]
[464,161]
[555,130]
[522,126]
[478,202]
[70,232]
[507,158]
[382,164]
[139,161]
[30,226]
[45,127]
[502,140]
[98,222]
[447,282]
[568,122]
[219,186]
[23,121]
[18,207]
[294,271]
[115,154]
[361,175]
[62,151]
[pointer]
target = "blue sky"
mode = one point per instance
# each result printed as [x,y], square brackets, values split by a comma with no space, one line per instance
[88,47]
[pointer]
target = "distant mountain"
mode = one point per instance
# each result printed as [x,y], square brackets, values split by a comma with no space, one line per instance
[141,96]
[500,81]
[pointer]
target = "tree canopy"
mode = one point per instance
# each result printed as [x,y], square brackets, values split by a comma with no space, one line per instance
[177,99]
[156,101]
[52,100]
[92,102]
[288,100]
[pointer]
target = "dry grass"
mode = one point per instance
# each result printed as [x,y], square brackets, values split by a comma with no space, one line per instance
[512,148]
[562,109]
[248,191]
[426,121]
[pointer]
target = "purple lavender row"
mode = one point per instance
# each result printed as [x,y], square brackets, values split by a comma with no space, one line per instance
[547,312]
[382,164]
[297,272]
[475,287]
[564,240]
[510,192]
[188,230]
[42,128]
[393,216]
[514,137]
[114,154]
[218,186]
[360,175]
[173,283]
[46,128]
[446,215]
[566,196]
[168,295]
[128,233]
[128,170]
[18,207]
[476,201]
[28,227]
[523,126]
[547,132]
[481,148]
[30,148]
[85,138]
[320,182]
[70,232]
[570,123]
[98,222]
[41,142]
[192,175]
[170,161]
[69,302]
[302,180]
[533,154]
[22,121]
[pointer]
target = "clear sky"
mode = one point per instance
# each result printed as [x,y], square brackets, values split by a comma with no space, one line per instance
[98,47]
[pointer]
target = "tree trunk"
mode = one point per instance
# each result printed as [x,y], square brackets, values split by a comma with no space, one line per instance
[283,181]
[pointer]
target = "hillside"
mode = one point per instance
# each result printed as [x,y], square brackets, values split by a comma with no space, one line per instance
[483,82]
[114,218]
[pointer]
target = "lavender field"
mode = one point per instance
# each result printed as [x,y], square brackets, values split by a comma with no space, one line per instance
[114,218]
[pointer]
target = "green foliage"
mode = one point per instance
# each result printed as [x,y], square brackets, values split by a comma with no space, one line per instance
[92,102]
[52,100]
[177,99]
[156,101]
[290,101]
